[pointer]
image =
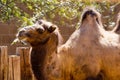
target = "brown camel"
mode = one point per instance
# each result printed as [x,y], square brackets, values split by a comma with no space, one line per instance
[44,38]
[91,53]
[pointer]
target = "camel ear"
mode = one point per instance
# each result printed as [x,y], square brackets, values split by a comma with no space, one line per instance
[117,30]
[117,27]
[51,28]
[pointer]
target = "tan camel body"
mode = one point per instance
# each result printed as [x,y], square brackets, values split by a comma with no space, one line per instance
[91,53]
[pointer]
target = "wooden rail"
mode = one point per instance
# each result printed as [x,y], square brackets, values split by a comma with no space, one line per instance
[15,67]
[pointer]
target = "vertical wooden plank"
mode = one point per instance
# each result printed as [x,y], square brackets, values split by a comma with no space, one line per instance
[16,67]
[3,63]
[0,65]
[26,73]
[10,71]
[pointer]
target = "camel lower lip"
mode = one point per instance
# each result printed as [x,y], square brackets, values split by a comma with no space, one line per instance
[25,43]
[15,41]
[18,40]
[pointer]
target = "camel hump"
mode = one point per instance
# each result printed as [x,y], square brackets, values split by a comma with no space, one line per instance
[91,15]
[90,12]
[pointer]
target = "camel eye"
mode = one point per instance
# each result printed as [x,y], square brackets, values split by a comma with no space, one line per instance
[28,34]
[39,30]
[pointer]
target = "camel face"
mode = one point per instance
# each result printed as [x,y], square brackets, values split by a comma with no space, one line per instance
[37,33]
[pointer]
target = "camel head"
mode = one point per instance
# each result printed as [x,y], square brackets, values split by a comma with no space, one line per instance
[38,33]
[91,16]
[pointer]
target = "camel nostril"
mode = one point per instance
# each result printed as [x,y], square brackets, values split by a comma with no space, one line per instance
[21,33]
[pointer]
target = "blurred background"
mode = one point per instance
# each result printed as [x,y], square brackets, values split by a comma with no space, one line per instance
[64,13]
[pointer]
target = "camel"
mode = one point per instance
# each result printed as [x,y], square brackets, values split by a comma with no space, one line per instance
[44,38]
[91,53]
[95,51]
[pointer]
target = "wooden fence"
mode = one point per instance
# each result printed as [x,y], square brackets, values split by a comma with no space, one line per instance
[15,67]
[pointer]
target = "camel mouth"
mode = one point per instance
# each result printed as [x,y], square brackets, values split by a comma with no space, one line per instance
[24,41]
[21,37]
[92,13]
[21,40]
[18,40]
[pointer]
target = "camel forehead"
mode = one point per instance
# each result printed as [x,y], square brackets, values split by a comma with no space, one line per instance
[43,22]
[27,28]
[31,28]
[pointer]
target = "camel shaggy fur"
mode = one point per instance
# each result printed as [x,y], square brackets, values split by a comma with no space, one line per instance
[91,53]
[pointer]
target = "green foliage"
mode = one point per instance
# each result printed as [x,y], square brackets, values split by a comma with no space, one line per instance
[61,12]
[9,10]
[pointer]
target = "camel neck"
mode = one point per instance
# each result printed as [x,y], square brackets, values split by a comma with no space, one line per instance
[40,55]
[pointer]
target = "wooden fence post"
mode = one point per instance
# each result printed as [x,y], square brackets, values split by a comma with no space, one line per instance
[11,74]
[14,68]
[3,63]
[26,73]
